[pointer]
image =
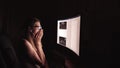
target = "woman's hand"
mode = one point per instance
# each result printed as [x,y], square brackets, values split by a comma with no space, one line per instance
[38,36]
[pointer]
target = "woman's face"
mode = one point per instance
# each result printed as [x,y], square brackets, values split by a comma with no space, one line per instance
[36,27]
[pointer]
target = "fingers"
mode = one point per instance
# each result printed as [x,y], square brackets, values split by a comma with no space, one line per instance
[39,34]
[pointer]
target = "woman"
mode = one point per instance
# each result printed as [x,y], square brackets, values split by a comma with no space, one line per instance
[31,53]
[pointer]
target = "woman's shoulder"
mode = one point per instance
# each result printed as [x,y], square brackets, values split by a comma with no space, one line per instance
[24,41]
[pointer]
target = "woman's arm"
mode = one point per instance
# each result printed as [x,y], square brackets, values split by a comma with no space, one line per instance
[32,53]
[40,52]
[42,55]
[38,45]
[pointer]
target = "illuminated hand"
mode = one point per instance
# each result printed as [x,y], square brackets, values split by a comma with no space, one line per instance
[38,36]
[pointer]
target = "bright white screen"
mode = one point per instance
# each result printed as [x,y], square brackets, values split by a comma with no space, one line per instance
[68,33]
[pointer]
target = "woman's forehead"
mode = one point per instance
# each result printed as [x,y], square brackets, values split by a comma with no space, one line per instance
[37,23]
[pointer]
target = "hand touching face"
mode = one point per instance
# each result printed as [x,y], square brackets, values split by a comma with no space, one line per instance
[38,36]
[36,28]
[37,32]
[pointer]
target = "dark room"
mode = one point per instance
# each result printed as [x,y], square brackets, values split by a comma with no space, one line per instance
[71,33]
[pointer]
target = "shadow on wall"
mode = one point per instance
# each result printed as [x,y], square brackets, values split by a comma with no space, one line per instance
[8,57]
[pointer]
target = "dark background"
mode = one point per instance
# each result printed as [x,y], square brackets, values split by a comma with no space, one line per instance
[99,44]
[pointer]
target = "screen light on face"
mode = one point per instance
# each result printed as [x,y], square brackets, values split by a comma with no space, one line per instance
[37,27]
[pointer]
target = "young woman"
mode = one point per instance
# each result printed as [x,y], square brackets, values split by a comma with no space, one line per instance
[31,52]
